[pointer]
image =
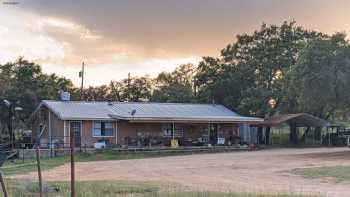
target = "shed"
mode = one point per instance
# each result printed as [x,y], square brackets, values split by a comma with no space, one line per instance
[297,120]
[293,121]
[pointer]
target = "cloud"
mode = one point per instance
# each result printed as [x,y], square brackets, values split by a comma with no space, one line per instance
[185,27]
[18,40]
[43,48]
[45,24]
[117,37]
[3,30]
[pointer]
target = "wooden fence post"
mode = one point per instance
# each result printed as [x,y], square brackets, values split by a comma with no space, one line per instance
[3,185]
[39,171]
[72,167]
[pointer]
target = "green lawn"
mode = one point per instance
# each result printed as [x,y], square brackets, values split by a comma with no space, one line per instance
[118,188]
[340,173]
[29,165]
[113,155]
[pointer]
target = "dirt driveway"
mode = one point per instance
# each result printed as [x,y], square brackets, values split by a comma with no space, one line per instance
[258,171]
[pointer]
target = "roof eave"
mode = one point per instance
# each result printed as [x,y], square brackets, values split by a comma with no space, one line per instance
[189,119]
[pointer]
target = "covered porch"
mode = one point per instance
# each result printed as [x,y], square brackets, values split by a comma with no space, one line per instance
[141,129]
[182,133]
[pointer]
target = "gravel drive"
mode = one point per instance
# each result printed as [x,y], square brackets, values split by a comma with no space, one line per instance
[256,171]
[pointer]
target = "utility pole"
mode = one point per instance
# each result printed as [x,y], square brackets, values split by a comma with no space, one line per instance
[81,75]
[129,79]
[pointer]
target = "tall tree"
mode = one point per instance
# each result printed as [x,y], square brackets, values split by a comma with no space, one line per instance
[138,88]
[319,83]
[24,83]
[265,57]
[99,93]
[116,90]
[176,86]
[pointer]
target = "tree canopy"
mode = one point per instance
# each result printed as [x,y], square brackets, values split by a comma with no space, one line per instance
[250,71]
[284,68]
[23,83]
[320,80]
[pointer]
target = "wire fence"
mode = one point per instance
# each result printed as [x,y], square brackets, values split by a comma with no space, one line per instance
[21,173]
[21,166]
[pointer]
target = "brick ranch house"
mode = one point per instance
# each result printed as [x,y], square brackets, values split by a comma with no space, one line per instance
[139,124]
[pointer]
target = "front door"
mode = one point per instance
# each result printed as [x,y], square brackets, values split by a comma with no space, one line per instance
[76,127]
[213,134]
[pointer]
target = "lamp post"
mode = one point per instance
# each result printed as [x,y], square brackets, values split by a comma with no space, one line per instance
[12,108]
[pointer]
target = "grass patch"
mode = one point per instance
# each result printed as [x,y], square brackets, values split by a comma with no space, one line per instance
[340,173]
[114,155]
[83,189]
[18,166]
[29,165]
[221,194]
[117,188]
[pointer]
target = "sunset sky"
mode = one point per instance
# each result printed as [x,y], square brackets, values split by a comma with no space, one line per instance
[144,36]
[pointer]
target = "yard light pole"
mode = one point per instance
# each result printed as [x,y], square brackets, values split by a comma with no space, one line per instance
[12,108]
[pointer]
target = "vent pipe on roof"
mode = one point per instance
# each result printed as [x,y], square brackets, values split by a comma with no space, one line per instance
[109,102]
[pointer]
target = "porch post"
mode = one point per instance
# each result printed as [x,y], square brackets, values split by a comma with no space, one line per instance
[329,137]
[280,134]
[208,133]
[250,134]
[50,137]
[50,134]
[65,140]
[116,132]
[173,126]
[68,133]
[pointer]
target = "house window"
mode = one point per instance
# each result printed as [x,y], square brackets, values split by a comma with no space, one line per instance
[168,131]
[103,129]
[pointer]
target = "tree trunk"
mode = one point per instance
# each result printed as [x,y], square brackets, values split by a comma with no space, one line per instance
[293,137]
[260,135]
[318,133]
[267,135]
[303,138]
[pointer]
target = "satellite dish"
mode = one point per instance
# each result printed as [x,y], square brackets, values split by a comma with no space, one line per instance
[133,112]
[7,103]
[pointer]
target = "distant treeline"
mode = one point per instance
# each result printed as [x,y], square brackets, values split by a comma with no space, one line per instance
[286,69]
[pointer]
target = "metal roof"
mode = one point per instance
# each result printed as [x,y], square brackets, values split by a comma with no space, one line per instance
[144,111]
[299,120]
